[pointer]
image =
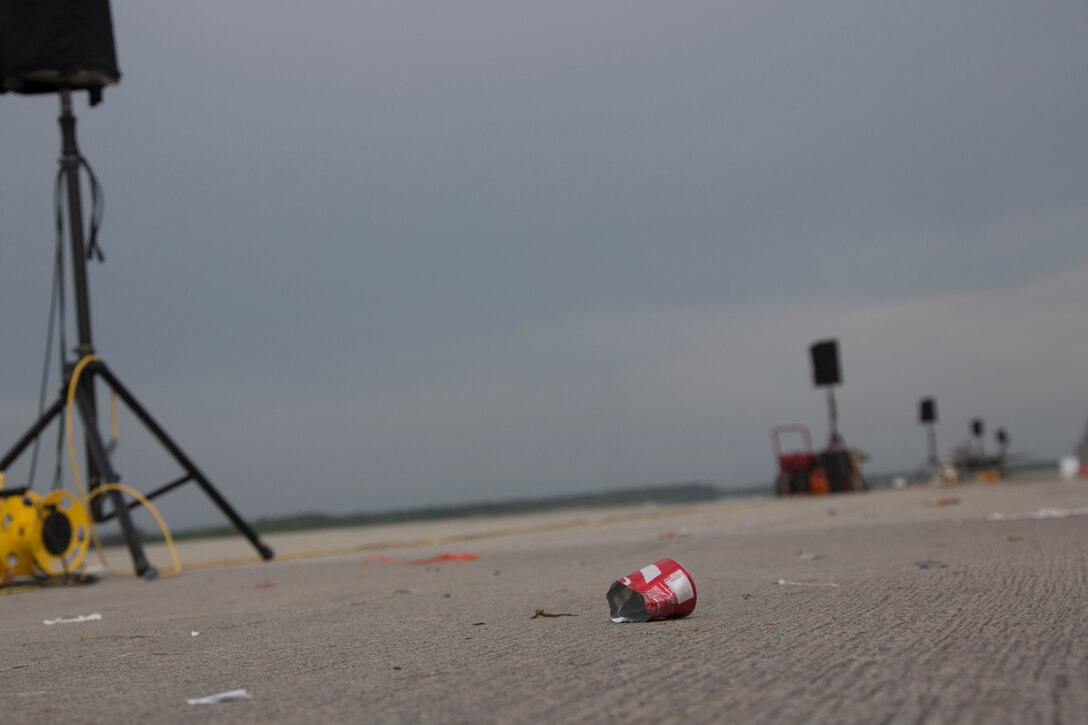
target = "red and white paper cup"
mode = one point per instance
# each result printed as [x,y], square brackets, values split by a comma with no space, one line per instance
[661,590]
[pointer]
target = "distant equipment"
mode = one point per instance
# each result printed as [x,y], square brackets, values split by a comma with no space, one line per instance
[837,468]
[61,46]
[971,458]
[927,416]
[978,430]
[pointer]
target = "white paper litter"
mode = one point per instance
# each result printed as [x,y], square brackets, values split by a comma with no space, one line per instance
[1044,512]
[96,617]
[194,634]
[229,696]
[783,582]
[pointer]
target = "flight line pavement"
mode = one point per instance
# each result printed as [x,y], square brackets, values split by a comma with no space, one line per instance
[896,609]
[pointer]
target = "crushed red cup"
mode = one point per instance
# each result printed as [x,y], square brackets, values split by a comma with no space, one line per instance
[662,590]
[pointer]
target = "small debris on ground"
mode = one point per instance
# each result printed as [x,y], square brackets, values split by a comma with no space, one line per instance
[784,583]
[265,585]
[1043,512]
[438,559]
[1015,537]
[542,613]
[229,696]
[943,501]
[808,556]
[96,617]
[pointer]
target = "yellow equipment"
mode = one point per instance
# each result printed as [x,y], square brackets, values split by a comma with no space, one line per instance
[39,536]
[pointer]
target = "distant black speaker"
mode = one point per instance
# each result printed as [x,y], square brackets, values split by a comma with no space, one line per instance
[927,410]
[46,45]
[977,427]
[825,363]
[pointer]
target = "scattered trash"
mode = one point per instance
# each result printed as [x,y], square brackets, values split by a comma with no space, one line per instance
[1044,512]
[784,583]
[746,596]
[923,566]
[229,696]
[96,617]
[1015,537]
[439,559]
[770,624]
[661,590]
[447,595]
[478,624]
[682,533]
[194,634]
[943,501]
[808,556]
[542,613]
[931,564]
[404,591]
[265,585]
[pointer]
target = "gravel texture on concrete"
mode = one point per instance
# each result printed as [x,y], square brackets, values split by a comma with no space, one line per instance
[938,614]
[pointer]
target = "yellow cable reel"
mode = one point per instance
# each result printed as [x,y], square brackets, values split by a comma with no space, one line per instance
[48,536]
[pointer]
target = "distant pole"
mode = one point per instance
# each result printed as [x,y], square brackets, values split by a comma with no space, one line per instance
[979,429]
[833,413]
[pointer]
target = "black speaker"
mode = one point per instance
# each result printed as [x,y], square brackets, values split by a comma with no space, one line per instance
[927,410]
[825,363]
[46,45]
[977,427]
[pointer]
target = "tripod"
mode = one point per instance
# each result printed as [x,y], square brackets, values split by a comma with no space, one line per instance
[79,391]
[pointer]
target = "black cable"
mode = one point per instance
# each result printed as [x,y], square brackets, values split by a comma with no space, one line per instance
[62,325]
[56,295]
[57,302]
[98,208]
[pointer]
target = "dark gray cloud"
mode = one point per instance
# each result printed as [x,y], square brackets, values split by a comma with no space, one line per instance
[363,256]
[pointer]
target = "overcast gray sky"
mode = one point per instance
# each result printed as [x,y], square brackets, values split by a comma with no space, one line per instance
[372,255]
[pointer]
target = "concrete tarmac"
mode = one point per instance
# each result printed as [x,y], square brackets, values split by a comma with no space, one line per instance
[896,611]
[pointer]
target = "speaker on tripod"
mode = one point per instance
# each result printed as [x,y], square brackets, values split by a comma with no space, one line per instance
[826,374]
[47,45]
[61,46]
[927,416]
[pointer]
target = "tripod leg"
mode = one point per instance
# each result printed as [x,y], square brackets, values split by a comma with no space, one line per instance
[35,430]
[101,459]
[183,460]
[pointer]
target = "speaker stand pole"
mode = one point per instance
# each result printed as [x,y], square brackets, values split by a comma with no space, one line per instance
[833,415]
[98,463]
[931,430]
